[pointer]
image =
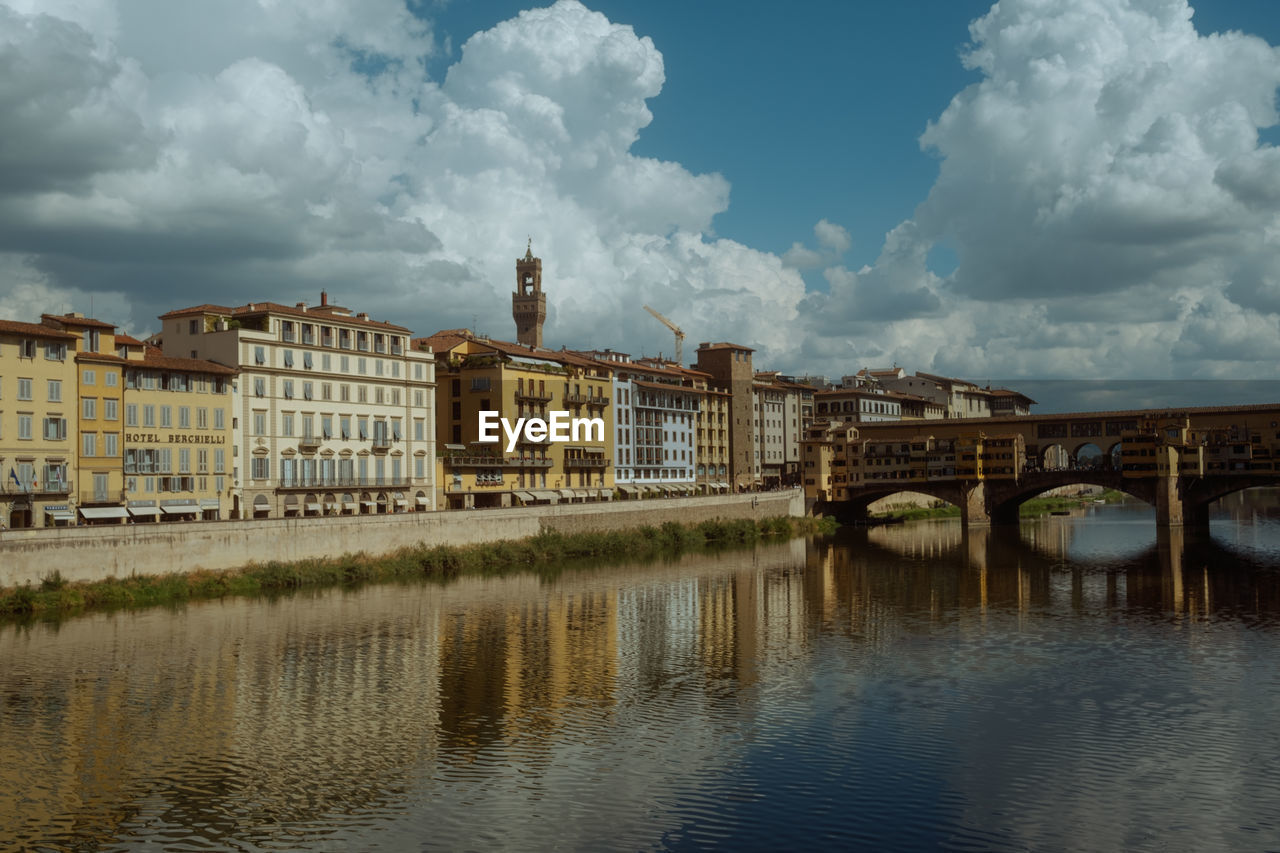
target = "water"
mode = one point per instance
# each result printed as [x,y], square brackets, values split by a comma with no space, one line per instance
[1083,684]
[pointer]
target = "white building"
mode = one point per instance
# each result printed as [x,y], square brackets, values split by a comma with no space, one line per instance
[333,413]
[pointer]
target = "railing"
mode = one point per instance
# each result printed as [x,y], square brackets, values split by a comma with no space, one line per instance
[534,396]
[44,489]
[586,462]
[381,444]
[309,441]
[466,461]
[600,401]
[528,462]
[576,399]
[342,482]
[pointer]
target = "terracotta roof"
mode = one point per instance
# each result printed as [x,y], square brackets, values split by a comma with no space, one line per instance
[661,387]
[128,340]
[1007,392]
[724,345]
[110,358]
[153,357]
[70,320]
[253,309]
[35,330]
[446,340]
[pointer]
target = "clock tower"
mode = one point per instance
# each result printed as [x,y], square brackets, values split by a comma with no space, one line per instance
[528,302]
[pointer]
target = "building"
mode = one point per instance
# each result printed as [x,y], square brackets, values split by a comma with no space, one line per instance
[857,404]
[38,407]
[528,302]
[332,413]
[729,366]
[479,374]
[179,443]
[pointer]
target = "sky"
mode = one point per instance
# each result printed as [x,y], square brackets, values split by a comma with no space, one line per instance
[1031,190]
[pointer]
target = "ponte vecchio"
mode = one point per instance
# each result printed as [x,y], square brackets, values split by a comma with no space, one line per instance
[1178,460]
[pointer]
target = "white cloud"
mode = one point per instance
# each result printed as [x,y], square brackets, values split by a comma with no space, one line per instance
[833,242]
[1104,174]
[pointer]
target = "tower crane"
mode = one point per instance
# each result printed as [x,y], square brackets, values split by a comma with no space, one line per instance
[674,328]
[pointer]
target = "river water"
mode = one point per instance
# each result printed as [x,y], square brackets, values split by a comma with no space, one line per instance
[1081,683]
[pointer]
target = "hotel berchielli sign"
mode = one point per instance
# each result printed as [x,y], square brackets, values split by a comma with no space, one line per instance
[174,438]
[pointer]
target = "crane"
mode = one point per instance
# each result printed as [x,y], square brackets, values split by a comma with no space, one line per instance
[678,332]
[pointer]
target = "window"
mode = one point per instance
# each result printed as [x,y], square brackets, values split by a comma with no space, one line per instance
[202,418]
[219,419]
[420,467]
[307,392]
[419,398]
[377,367]
[89,377]
[184,460]
[306,360]
[286,424]
[363,393]
[259,355]
[326,361]
[55,429]
[55,352]
[111,444]
[286,330]
[362,366]
[259,423]
[288,389]
[89,408]
[55,390]
[24,427]
[91,340]
[344,393]
[288,358]
[345,364]
[111,380]
[345,424]
[166,417]
[184,417]
[55,477]
[27,349]
[219,462]
[260,468]
[131,415]
[326,391]
[149,415]
[419,429]
[24,389]
[259,386]
[88,444]
[364,429]
[111,410]
[417,371]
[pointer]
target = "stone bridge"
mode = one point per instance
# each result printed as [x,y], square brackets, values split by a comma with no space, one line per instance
[1182,500]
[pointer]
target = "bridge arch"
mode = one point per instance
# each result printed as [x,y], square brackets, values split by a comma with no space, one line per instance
[1005,498]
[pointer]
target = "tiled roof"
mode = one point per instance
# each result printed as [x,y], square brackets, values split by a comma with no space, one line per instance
[724,345]
[77,321]
[256,308]
[128,340]
[153,357]
[35,330]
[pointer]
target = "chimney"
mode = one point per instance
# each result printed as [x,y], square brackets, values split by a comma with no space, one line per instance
[302,306]
[362,316]
[324,298]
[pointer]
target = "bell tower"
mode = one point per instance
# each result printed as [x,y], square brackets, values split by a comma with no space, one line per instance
[528,302]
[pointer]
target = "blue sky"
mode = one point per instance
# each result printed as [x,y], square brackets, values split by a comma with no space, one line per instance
[1035,190]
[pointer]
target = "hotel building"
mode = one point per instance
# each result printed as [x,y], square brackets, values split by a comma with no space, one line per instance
[333,413]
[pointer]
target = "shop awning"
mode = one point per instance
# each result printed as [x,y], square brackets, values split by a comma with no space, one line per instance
[209,503]
[312,507]
[545,495]
[605,494]
[568,494]
[369,503]
[180,510]
[60,514]
[524,496]
[423,501]
[401,502]
[144,511]
[104,512]
[630,490]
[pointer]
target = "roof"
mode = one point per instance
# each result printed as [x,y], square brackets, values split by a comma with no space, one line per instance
[1008,392]
[640,383]
[445,341]
[108,357]
[71,319]
[252,309]
[128,340]
[35,330]
[723,345]
[153,357]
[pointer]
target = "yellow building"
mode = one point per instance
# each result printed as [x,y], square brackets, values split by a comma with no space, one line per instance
[476,374]
[179,445]
[37,425]
[100,469]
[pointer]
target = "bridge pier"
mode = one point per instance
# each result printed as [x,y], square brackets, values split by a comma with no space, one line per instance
[1176,508]
[973,505]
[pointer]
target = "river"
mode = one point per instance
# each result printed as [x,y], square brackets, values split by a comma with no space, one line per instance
[1079,684]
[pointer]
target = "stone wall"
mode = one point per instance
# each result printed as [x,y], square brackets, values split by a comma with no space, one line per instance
[96,553]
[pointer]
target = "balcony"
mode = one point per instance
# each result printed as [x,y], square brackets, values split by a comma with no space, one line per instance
[527,462]
[322,482]
[309,442]
[381,443]
[576,399]
[42,490]
[598,400]
[473,461]
[532,396]
[586,462]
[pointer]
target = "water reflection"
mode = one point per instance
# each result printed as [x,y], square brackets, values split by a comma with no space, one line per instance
[912,685]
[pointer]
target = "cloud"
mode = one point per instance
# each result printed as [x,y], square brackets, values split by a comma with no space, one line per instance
[271,150]
[833,242]
[1102,186]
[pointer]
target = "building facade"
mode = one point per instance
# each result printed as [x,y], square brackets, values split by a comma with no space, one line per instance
[729,366]
[333,413]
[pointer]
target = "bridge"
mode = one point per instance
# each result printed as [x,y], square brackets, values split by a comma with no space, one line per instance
[1179,461]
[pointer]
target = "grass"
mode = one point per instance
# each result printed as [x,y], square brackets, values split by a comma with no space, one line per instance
[548,553]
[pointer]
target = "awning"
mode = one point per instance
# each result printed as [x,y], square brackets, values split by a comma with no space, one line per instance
[180,510]
[348,502]
[401,502]
[330,506]
[137,511]
[313,507]
[605,494]
[545,495]
[104,512]
[424,501]
[369,503]
[568,494]
[209,503]
[60,514]
[630,490]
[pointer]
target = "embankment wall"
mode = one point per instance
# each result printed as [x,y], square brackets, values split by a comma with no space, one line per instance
[97,553]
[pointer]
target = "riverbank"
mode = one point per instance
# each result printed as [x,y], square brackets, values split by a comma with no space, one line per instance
[1030,509]
[548,551]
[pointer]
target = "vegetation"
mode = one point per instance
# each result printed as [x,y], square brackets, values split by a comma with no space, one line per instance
[548,553]
[1032,508]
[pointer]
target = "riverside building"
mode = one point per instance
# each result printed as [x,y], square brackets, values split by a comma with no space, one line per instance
[332,414]
[37,425]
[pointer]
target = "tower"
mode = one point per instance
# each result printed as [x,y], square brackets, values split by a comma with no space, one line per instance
[730,369]
[528,302]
